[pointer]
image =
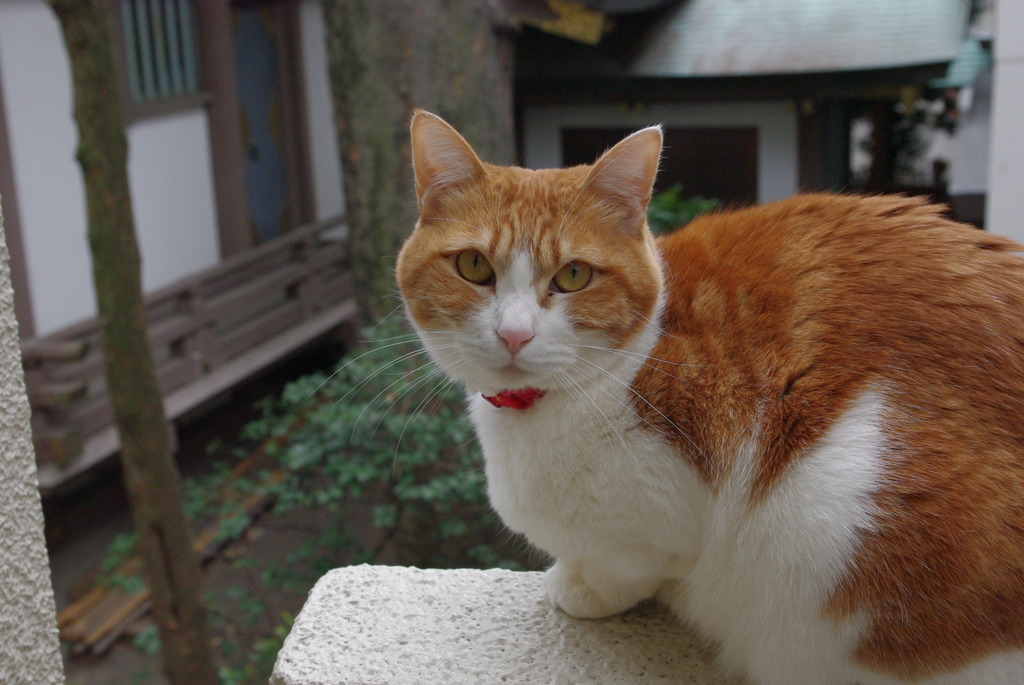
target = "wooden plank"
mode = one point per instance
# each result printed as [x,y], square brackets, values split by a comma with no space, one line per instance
[329,227]
[172,329]
[58,445]
[103,443]
[80,606]
[257,330]
[102,611]
[290,238]
[266,300]
[94,412]
[290,248]
[35,350]
[97,620]
[121,609]
[250,264]
[88,368]
[333,288]
[55,394]
[226,281]
[177,372]
[131,619]
[255,292]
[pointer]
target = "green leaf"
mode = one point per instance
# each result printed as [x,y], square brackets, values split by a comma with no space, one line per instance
[385,516]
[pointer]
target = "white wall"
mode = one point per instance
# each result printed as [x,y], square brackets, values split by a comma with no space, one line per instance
[328,192]
[171,179]
[1003,212]
[969,145]
[776,123]
[169,173]
[51,198]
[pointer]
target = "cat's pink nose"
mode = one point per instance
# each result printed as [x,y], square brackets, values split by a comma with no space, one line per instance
[515,338]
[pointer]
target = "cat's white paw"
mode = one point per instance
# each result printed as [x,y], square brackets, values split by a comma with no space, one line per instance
[568,590]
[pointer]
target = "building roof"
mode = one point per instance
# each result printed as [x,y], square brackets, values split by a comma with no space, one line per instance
[754,37]
[963,71]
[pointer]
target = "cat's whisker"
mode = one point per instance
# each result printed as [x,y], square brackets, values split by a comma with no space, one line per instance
[413,387]
[395,294]
[436,392]
[662,333]
[645,360]
[410,338]
[567,378]
[387,316]
[399,340]
[639,356]
[369,405]
[622,403]
[431,372]
[394,362]
[643,399]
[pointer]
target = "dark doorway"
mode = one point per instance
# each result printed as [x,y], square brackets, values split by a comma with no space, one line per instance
[269,96]
[718,163]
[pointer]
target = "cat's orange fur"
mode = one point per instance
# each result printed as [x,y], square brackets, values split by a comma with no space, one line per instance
[537,227]
[780,317]
[791,310]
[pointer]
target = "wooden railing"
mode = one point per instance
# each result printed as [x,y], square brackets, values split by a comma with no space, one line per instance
[207,332]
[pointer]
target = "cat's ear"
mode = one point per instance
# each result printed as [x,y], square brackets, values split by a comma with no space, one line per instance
[441,158]
[624,175]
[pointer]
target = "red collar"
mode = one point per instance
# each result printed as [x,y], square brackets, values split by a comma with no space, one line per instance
[515,399]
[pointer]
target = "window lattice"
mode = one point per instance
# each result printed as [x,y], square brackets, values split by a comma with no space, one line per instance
[161,51]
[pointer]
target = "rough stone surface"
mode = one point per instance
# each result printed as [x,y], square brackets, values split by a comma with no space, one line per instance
[29,646]
[379,624]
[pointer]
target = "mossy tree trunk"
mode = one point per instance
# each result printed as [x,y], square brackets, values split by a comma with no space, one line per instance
[451,57]
[151,477]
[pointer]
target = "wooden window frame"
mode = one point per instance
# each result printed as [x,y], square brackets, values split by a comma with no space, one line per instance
[134,111]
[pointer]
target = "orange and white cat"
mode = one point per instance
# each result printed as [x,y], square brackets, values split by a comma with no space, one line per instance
[800,425]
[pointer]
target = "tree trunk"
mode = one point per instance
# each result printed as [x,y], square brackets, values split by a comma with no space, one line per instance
[451,57]
[151,477]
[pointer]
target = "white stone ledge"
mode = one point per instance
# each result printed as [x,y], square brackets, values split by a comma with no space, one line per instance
[380,624]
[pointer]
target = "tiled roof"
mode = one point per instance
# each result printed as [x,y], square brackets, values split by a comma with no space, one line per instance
[751,37]
[972,59]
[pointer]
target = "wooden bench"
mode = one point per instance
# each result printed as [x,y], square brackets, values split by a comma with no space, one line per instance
[208,332]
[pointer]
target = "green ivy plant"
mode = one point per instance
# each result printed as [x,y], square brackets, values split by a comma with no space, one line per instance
[382,447]
[388,430]
[669,210]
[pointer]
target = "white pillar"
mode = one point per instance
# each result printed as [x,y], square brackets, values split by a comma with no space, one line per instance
[1004,211]
[29,646]
[381,624]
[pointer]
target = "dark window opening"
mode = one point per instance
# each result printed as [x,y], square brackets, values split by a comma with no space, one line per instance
[719,163]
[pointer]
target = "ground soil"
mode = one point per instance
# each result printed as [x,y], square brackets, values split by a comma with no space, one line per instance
[245,608]
[81,522]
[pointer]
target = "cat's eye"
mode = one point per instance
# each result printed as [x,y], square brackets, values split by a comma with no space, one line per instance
[573,277]
[474,267]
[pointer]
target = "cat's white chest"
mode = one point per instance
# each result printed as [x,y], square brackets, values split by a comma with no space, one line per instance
[589,486]
[581,479]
